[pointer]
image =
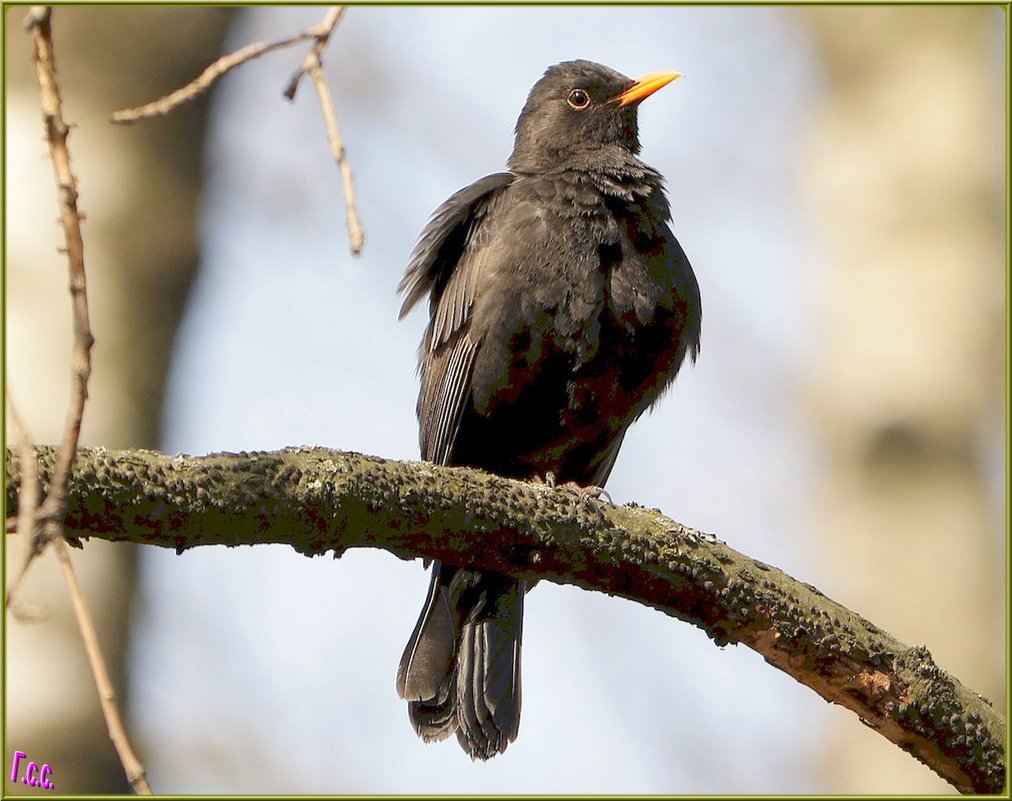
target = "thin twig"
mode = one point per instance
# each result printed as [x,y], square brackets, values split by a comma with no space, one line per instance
[325,29]
[25,520]
[54,508]
[203,82]
[56,129]
[106,694]
[312,65]
[355,236]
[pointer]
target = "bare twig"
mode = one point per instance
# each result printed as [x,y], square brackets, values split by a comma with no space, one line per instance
[54,508]
[324,30]
[312,66]
[203,82]
[355,236]
[25,519]
[106,694]
[56,129]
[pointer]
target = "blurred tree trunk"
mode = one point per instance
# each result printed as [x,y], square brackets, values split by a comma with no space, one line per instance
[139,188]
[905,175]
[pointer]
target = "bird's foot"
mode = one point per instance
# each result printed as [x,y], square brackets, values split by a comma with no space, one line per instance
[584,493]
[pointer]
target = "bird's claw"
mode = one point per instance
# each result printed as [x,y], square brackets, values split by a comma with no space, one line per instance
[583,493]
[589,493]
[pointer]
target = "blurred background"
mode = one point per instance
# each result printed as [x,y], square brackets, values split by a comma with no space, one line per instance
[837,178]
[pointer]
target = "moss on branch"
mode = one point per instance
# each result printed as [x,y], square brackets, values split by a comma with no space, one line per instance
[318,500]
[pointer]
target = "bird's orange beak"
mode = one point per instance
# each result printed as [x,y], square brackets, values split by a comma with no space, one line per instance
[643,87]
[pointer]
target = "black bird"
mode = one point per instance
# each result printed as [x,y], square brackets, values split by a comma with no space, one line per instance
[560,308]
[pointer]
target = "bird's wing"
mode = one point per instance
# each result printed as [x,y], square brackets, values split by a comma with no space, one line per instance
[608,460]
[445,265]
[446,380]
[443,241]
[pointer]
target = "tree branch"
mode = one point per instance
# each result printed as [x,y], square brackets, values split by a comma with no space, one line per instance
[312,65]
[45,523]
[317,500]
[26,521]
[57,131]
[206,79]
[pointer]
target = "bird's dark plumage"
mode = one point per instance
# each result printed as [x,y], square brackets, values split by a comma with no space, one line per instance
[560,308]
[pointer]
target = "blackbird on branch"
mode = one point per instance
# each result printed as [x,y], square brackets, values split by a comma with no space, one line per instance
[561,307]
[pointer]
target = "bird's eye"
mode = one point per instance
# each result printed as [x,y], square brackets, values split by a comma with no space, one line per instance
[578,99]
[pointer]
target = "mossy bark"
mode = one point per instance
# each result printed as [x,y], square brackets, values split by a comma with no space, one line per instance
[318,500]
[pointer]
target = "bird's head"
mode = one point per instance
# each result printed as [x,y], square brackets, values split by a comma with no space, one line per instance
[576,108]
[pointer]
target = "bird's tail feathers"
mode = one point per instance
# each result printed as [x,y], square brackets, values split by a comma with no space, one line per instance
[488,671]
[460,671]
[426,667]
[488,703]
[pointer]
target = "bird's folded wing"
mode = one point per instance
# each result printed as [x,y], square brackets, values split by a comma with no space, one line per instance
[446,382]
[444,240]
[445,265]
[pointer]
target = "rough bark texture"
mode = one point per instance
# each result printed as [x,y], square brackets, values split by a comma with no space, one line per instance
[318,500]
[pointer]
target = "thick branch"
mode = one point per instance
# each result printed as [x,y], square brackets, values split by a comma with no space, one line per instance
[318,500]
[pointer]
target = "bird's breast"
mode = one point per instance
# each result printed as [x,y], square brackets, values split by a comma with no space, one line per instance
[579,332]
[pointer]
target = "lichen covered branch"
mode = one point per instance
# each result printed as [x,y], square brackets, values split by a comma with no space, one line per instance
[318,500]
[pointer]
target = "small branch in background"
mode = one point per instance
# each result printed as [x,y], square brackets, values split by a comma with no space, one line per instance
[51,514]
[204,81]
[324,31]
[355,236]
[25,519]
[56,129]
[106,694]
[311,65]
